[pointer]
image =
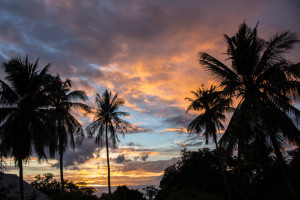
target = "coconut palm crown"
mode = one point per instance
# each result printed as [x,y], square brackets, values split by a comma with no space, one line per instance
[213,106]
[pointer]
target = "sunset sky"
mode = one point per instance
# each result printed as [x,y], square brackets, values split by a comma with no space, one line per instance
[144,50]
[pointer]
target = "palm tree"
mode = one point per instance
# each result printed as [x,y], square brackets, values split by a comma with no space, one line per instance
[23,117]
[264,84]
[213,105]
[107,119]
[67,127]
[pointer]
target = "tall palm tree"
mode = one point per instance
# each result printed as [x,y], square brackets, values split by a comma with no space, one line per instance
[264,84]
[68,129]
[23,112]
[107,120]
[213,106]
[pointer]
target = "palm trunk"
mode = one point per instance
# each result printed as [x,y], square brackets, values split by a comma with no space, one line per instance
[282,165]
[222,170]
[21,179]
[61,171]
[60,146]
[107,157]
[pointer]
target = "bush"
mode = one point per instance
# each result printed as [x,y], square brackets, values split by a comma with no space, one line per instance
[124,193]
[49,186]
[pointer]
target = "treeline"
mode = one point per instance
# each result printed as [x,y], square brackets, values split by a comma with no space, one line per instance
[80,191]
[197,176]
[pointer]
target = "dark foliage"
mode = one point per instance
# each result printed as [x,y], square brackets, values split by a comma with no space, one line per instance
[49,186]
[196,176]
[67,129]
[24,119]
[124,193]
[264,83]
[196,171]
[151,191]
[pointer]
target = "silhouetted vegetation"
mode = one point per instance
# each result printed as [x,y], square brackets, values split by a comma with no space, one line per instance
[4,190]
[123,193]
[213,105]
[49,186]
[197,176]
[151,191]
[264,83]
[24,123]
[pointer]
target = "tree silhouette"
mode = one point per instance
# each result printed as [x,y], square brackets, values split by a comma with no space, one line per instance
[107,120]
[213,106]
[68,129]
[195,176]
[264,83]
[150,191]
[23,118]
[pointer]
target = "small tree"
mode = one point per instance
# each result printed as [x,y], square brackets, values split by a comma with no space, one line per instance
[151,192]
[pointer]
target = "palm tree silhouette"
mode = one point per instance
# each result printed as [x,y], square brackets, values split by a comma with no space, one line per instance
[23,117]
[107,119]
[66,125]
[264,83]
[213,105]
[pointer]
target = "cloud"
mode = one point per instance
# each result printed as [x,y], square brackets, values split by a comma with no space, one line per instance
[121,158]
[132,144]
[178,123]
[135,128]
[136,151]
[145,156]
[144,50]
[176,130]
[149,166]
[81,154]
[195,142]
[182,120]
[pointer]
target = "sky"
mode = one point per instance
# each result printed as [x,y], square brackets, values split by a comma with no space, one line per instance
[144,50]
